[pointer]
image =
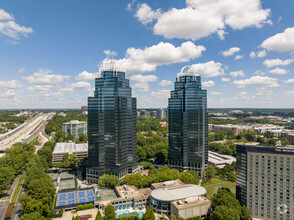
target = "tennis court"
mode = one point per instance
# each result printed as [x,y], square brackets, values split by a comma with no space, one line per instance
[71,195]
[61,204]
[71,202]
[82,200]
[62,196]
[91,199]
[82,194]
[90,193]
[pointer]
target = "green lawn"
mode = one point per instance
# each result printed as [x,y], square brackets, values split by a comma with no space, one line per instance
[17,188]
[217,183]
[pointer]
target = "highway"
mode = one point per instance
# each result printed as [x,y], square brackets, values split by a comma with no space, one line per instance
[29,130]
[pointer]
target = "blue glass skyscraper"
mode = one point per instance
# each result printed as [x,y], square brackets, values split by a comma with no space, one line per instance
[188,123]
[112,125]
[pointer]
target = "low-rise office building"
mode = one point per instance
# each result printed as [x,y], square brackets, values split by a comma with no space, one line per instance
[75,128]
[265,179]
[80,150]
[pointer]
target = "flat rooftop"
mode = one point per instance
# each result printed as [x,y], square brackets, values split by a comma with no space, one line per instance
[220,159]
[178,192]
[128,191]
[166,184]
[62,148]
[180,204]
[74,122]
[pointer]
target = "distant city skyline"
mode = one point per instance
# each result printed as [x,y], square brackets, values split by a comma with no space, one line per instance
[243,50]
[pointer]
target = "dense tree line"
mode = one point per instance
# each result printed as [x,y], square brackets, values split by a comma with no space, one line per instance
[154,146]
[223,148]
[10,117]
[226,206]
[46,152]
[37,202]
[149,124]
[16,159]
[154,176]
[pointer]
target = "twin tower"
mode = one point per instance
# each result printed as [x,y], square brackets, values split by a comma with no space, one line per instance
[112,124]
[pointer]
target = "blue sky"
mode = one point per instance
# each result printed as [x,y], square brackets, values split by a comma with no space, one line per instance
[50,51]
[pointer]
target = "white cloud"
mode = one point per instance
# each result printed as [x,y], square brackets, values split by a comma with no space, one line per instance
[165,83]
[5,15]
[221,34]
[289,81]
[9,28]
[238,57]
[21,70]
[187,23]
[12,84]
[209,69]
[225,79]
[237,73]
[215,93]
[261,53]
[66,89]
[39,88]
[110,53]
[161,94]
[209,83]
[231,51]
[9,93]
[279,71]
[82,85]
[145,14]
[42,77]
[143,87]
[257,80]
[86,76]
[263,91]
[277,62]
[146,60]
[143,79]
[281,42]
[252,54]
[259,72]
[289,93]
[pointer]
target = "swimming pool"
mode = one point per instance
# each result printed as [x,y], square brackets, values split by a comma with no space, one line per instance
[121,212]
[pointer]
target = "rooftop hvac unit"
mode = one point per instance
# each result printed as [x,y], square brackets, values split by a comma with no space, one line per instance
[171,182]
[180,202]
[192,199]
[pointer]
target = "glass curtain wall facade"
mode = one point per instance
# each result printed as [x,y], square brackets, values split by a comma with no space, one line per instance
[188,123]
[112,127]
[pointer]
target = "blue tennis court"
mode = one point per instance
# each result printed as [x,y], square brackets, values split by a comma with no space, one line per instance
[81,194]
[61,204]
[90,193]
[82,200]
[62,196]
[91,199]
[71,202]
[71,195]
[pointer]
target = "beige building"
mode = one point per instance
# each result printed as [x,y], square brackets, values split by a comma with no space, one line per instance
[80,150]
[182,200]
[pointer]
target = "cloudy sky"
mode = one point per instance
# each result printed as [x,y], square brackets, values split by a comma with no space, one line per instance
[50,51]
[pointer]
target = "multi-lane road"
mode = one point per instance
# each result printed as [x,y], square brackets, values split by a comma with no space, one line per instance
[27,131]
